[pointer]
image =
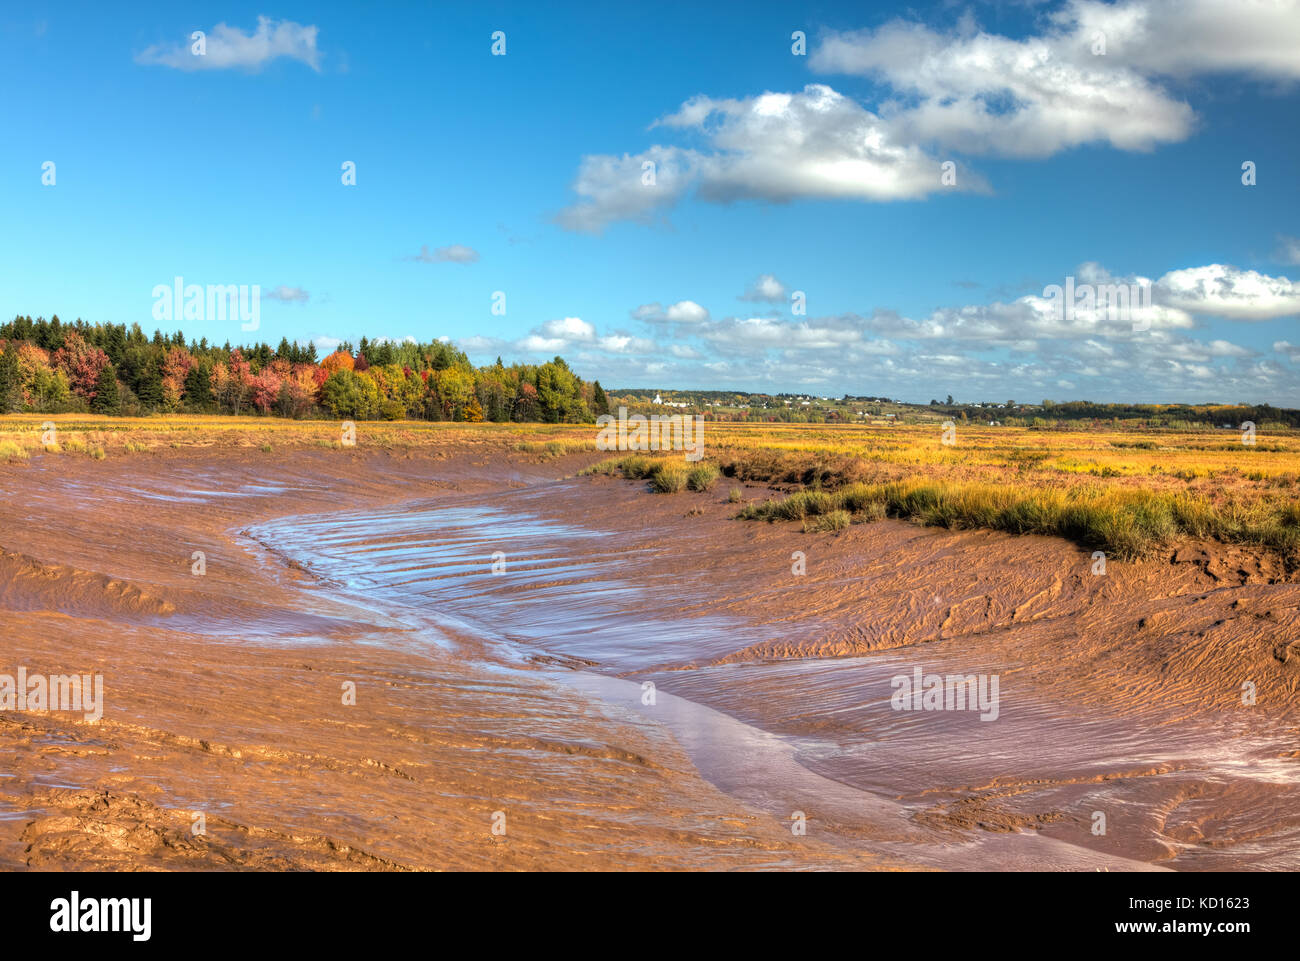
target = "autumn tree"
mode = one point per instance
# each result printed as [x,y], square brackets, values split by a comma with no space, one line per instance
[339,360]
[81,363]
[176,366]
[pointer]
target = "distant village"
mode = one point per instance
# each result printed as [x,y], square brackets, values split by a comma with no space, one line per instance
[741,406]
[804,408]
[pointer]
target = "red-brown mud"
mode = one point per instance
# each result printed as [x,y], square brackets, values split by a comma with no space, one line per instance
[502,626]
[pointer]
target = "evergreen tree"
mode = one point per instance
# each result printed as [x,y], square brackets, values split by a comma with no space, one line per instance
[198,386]
[106,399]
[149,388]
[8,380]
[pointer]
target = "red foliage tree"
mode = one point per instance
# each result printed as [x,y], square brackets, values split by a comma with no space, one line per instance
[177,364]
[266,388]
[82,364]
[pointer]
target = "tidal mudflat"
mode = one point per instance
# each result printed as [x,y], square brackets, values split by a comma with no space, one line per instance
[480,658]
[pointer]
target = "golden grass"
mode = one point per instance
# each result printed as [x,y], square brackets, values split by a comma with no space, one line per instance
[9,450]
[1124,491]
[123,436]
[1122,522]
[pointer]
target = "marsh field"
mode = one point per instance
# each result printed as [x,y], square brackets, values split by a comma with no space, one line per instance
[494,646]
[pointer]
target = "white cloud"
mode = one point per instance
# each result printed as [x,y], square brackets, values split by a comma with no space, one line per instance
[1024,347]
[766,289]
[775,147]
[813,144]
[454,254]
[982,93]
[616,188]
[569,328]
[625,344]
[568,334]
[1224,291]
[229,47]
[964,89]
[1002,348]
[684,312]
[1183,38]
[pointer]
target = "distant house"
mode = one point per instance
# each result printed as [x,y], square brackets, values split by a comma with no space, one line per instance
[658,399]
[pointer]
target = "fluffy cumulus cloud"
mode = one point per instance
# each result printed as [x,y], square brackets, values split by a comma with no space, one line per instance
[766,289]
[1182,38]
[1096,74]
[555,336]
[816,143]
[776,147]
[628,187]
[570,336]
[1224,291]
[225,47]
[681,313]
[981,93]
[569,329]
[1093,73]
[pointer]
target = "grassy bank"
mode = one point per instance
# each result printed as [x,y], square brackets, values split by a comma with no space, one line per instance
[1125,493]
[1123,523]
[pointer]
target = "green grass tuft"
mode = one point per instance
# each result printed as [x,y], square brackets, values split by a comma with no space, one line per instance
[702,476]
[668,479]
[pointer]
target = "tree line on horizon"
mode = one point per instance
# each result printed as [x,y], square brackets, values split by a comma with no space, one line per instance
[1065,414]
[47,366]
[52,367]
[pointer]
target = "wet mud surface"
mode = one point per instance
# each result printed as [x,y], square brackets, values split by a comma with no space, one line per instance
[624,680]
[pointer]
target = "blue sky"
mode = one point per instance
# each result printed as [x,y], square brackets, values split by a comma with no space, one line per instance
[775,173]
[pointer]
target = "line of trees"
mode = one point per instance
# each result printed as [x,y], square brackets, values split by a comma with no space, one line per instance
[1075,413]
[52,367]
